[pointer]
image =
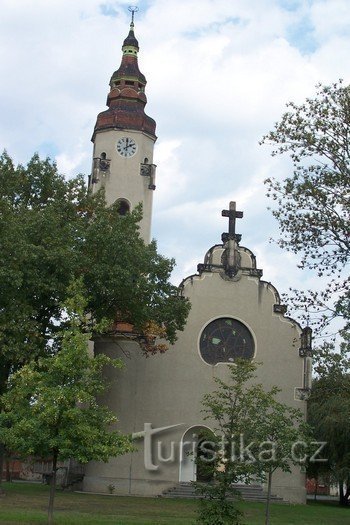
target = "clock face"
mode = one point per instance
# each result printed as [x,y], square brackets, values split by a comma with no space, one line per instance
[224,340]
[126,147]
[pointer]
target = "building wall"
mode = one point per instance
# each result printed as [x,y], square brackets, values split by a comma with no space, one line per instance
[167,389]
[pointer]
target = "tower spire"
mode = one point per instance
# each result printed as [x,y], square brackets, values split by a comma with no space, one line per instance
[133,9]
[127,99]
[124,138]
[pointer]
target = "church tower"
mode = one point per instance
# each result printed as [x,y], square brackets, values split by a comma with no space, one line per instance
[124,138]
[234,314]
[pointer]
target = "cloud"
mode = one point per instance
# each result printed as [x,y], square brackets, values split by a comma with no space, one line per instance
[219,74]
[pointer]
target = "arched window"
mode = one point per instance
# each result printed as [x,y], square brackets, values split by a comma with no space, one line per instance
[123,206]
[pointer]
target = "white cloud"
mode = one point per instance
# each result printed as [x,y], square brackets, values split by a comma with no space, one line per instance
[172,182]
[219,74]
[331,18]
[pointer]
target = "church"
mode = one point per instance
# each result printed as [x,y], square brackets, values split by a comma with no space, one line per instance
[234,314]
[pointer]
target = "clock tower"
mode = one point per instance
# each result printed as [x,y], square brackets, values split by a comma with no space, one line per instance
[234,315]
[124,138]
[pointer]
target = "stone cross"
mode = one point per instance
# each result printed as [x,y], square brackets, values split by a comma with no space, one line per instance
[232,215]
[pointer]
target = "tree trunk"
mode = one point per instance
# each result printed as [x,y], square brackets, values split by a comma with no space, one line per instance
[52,488]
[2,459]
[4,373]
[8,471]
[316,487]
[344,495]
[267,508]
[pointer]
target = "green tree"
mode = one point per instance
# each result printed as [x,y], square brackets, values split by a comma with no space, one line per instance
[51,408]
[312,206]
[253,435]
[52,231]
[328,413]
[318,471]
[283,436]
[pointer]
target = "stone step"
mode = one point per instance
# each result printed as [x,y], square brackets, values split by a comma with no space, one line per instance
[248,492]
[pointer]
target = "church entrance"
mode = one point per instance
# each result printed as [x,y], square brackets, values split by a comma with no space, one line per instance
[196,443]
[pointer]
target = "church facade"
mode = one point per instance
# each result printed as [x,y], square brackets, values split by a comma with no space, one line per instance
[234,314]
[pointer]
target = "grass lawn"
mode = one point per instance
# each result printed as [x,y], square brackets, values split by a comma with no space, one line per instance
[25,504]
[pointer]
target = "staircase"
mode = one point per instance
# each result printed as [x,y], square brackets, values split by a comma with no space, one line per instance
[248,492]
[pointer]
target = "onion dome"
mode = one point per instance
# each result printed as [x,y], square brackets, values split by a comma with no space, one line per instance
[131,39]
[126,100]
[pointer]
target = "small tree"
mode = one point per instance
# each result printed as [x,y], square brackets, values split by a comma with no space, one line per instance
[246,419]
[318,471]
[229,407]
[283,437]
[51,409]
[312,205]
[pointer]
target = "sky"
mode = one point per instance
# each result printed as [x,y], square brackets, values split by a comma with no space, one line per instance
[219,73]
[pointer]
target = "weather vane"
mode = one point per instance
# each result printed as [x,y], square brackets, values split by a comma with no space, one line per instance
[133,9]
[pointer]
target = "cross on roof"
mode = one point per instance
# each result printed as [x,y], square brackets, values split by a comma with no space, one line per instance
[232,215]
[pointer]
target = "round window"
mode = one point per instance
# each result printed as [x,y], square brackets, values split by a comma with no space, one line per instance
[224,340]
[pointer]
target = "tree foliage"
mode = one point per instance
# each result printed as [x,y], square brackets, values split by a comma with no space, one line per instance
[328,413]
[51,409]
[253,435]
[52,231]
[312,205]
[285,435]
